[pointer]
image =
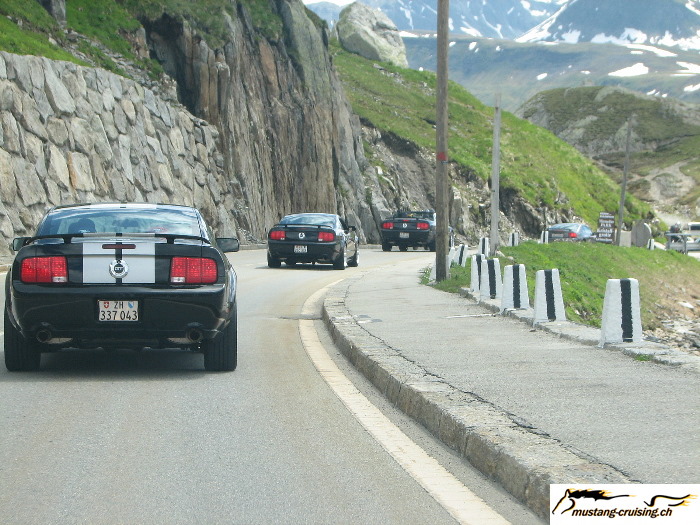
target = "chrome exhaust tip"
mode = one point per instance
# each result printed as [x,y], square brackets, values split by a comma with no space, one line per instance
[43,335]
[194,335]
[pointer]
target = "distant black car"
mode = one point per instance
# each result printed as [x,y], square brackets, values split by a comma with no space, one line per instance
[411,229]
[312,238]
[121,276]
[570,231]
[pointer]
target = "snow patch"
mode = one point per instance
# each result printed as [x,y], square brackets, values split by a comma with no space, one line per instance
[692,88]
[542,76]
[632,71]
[690,68]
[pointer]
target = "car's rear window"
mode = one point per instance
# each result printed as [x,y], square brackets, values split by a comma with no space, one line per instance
[121,220]
[310,219]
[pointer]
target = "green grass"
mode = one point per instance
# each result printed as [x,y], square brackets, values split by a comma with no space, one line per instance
[542,169]
[665,277]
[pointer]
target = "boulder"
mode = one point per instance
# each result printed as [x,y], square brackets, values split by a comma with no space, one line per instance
[370,33]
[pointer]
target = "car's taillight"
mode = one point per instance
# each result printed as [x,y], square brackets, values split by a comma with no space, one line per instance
[572,235]
[53,269]
[422,225]
[326,236]
[388,225]
[192,270]
[277,235]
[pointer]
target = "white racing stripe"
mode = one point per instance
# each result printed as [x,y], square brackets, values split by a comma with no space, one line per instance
[448,491]
[141,261]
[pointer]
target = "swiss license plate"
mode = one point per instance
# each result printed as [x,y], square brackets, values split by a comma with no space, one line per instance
[403,235]
[117,310]
[300,248]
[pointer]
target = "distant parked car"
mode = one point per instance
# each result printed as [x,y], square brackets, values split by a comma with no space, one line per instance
[570,231]
[313,238]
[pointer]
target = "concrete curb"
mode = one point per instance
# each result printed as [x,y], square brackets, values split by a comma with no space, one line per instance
[656,352]
[524,462]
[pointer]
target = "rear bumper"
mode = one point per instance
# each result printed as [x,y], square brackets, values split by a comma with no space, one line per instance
[167,317]
[315,252]
[415,238]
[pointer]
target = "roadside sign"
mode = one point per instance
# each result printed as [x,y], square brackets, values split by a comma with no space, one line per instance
[606,227]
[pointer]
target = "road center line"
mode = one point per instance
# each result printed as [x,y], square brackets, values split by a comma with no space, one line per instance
[465,506]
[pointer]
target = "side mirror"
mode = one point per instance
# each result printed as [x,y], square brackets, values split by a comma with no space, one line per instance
[228,244]
[18,242]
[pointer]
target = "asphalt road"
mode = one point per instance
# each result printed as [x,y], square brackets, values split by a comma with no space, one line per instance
[149,437]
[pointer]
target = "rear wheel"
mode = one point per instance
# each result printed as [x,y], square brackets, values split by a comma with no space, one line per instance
[403,247]
[386,247]
[339,262]
[273,262]
[221,353]
[21,355]
[355,259]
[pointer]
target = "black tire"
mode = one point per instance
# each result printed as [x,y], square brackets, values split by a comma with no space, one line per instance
[355,259]
[403,248]
[386,247]
[21,355]
[339,262]
[291,264]
[221,353]
[273,262]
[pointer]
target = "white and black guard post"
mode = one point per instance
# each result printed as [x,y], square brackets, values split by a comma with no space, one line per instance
[622,321]
[491,284]
[544,237]
[549,302]
[515,296]
[484,246]
[461,255]
[514,239]
[476,272]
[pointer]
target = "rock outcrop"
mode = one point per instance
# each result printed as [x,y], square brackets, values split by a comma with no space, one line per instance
[370,33]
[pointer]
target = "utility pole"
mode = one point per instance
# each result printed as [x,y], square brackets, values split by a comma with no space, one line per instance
[623,190]
[441,182]
[496,177]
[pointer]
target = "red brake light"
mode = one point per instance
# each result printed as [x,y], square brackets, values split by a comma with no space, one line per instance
[572,235]
[388,225]
[52,269]
[326,236]
[422,225]
[277,235]
[193,270]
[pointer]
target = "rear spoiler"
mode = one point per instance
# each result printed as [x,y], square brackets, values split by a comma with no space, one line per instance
[68,237]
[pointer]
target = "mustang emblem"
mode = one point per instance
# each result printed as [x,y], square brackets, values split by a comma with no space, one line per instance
[404,225]
[302,235]
[118,268]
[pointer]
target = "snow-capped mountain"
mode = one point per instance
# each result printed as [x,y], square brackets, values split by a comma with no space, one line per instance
[506,19]
[674,23]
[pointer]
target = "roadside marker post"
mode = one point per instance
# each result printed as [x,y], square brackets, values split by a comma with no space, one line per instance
[515,296]
[484,246]
[544,237]
[476,272]
[514,239]
[549,302]
[461,255]
[622,320]
[491,284]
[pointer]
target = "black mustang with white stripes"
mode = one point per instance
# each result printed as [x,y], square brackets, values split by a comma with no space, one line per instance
[121,276]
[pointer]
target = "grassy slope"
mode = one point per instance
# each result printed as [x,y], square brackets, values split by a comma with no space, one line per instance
[665,277]
[540,167]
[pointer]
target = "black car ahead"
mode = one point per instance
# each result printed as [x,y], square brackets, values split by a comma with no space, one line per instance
[411,229]
[312,238]
[121,276]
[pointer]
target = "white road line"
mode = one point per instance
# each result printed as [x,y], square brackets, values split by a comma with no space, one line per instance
[448,491]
